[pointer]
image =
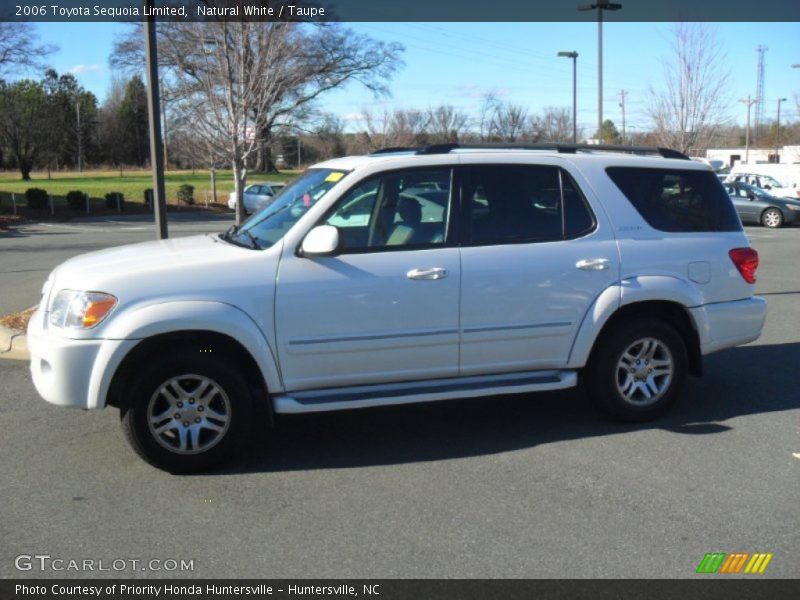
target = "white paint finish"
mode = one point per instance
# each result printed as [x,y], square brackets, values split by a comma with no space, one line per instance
[320,241]
[358,318]
[522,304]
[700,272]
[729,324]
[61,368]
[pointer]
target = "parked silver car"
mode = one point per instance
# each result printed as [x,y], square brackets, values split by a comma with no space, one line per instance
[754,205]
[256,196]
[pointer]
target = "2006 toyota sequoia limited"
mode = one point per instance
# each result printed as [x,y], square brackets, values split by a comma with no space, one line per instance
[408,276]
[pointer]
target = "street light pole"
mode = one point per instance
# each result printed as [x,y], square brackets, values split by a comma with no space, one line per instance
[154,117]
[778,132]
[749,103]
[600,6]
[574,57]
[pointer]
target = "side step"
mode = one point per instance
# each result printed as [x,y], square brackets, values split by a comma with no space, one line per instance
[365,396]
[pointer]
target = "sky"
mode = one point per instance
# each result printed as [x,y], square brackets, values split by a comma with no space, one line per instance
[457,63]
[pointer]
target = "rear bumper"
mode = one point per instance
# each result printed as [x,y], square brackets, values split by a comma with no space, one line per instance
[728,324]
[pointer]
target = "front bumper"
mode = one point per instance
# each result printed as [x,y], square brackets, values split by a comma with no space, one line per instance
[728,324]
[69,372]
[791,217]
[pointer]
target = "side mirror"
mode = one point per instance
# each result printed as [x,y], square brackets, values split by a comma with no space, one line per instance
[751,195]
[767,187]
[323,240]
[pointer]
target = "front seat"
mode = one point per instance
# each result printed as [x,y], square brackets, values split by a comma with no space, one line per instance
[405,232]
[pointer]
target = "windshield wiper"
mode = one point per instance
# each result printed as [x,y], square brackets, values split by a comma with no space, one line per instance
[233,230]
[226,235]
[253,239]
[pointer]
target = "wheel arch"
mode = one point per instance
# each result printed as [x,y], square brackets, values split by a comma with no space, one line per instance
[656,297]
[200,340]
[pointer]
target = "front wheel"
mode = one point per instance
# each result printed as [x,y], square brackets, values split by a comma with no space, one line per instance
[638,370]
[772,218]
[188,413]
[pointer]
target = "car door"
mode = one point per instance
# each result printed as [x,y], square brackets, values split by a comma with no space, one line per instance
[741,202]
[533,261]
[384,308]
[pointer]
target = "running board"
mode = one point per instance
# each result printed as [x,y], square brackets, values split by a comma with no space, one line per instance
[366,396]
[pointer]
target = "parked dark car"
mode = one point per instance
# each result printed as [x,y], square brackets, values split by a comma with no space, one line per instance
[755,205]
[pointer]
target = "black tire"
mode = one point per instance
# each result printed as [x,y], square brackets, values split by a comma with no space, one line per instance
[604,375]
[772,218]
[229,397]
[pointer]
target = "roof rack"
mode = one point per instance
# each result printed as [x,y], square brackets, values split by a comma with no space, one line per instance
[394,149]
[560,148]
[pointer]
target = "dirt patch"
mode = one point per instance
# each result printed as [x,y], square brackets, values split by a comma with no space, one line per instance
[18,321]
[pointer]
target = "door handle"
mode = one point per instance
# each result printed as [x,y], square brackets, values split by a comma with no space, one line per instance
[427,274]
[593,264]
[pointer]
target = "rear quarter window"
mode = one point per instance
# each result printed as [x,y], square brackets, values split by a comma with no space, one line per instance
[677,200]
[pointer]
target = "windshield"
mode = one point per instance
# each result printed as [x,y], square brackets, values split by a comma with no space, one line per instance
[271,223]
[767,180]
[757,191]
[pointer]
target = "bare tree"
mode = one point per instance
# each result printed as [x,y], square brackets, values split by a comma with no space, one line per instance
[446,124]
[328,137]
[555,125]
[19,47]
[397,128]
[239,82]
[694,102]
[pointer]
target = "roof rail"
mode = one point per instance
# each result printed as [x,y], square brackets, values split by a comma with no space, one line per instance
[558,147]
[393,150]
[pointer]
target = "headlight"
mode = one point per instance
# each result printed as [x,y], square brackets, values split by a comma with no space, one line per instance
[80,310]
[793,206]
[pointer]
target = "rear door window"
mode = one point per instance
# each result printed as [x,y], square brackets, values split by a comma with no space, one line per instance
[507,204]
[677,200]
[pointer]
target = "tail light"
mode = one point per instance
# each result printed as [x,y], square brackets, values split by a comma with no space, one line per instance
[746,261]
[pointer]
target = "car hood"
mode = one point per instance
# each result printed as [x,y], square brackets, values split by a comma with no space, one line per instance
[160,268]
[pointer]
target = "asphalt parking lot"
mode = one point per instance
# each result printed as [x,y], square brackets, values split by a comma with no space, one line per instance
[526,486]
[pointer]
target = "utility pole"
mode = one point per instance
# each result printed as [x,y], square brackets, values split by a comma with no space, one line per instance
[574,57]
[600,6]
[164,118]
[778,132]
[153,114]
[622,94]
[749,103]
[299,155]
[80,134]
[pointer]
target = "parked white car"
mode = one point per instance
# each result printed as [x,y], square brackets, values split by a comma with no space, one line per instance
[778,180]
[407,277]
[256,196]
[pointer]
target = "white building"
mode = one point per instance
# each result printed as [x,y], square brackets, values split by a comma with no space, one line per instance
[731,156]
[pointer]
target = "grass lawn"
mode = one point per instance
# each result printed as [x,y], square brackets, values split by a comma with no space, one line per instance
[132,184]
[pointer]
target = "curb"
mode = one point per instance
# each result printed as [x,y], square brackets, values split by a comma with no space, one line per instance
[13,344]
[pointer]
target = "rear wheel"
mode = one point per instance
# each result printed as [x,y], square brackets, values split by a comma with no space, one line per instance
[187,413]
[772,218]
[638,370]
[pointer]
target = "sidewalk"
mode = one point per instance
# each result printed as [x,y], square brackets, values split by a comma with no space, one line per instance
[13,344]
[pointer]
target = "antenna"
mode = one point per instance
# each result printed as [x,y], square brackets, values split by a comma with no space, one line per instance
[759,117]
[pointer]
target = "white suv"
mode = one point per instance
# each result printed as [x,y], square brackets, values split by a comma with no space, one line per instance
[408,276]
